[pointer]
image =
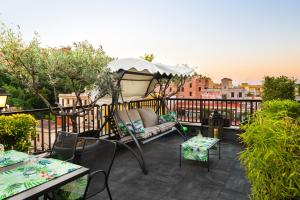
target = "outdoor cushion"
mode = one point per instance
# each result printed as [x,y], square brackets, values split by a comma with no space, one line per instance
[166,126]
[135,127]
[169,117]
[128,138]
[71,191]
[150,131]
[149,117]
[132,113]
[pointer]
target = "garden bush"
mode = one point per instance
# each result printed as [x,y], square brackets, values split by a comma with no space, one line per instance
[16,131]
[278,88]
[272,150]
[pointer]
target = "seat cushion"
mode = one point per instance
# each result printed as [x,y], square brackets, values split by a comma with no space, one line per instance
[169,117]
[122,115]
[166,126]
[150,131]
[149,117]
[128,138]
[73,190]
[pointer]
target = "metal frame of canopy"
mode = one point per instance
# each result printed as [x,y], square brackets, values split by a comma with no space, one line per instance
[140,74]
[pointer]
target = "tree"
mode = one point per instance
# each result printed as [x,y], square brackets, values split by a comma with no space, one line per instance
[278,88]
[80,68]
[148,57]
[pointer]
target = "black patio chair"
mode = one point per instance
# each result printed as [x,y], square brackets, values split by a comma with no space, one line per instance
[97,155]
[64,146]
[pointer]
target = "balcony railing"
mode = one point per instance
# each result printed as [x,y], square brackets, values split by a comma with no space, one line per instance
[188,110]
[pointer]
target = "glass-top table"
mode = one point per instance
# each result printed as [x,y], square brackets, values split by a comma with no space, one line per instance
[198,148]
[12,157]
[23,176]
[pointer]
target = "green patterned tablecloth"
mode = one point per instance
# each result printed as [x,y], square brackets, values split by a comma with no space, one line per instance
[32,174]
[12,157]
[196,148]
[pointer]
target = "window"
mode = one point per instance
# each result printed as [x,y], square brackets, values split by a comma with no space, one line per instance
[85,102]
[38,137]
[182,89]
[68,101]
[240,95]
[191,85]
[170,89]
[224,96]
[232,94]
[191,94]
[199,89]
[63,102]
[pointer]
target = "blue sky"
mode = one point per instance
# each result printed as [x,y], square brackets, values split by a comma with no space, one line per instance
[244,40]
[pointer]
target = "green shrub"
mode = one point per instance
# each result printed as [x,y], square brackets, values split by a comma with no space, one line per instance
[278,88]
[272,153]
[16,131]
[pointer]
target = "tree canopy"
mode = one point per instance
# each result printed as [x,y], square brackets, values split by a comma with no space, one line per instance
[148,57]
[278,88]
[46,72]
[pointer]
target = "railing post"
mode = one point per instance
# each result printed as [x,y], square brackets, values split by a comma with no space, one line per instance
[163,106]
[201,111]
[138,104]
[63,123]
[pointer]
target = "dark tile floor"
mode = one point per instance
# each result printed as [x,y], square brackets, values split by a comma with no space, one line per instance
[166,181]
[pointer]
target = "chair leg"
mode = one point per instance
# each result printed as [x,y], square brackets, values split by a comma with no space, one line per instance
[139,157]
[179,132]
[108,190]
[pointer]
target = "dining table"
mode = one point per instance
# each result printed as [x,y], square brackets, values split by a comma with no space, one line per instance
[24,176]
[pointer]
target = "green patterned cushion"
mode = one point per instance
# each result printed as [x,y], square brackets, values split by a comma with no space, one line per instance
[135,127]
[123,128]
[169,117]
[72,191]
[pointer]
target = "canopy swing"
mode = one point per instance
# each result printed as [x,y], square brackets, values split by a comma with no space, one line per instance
[138,78]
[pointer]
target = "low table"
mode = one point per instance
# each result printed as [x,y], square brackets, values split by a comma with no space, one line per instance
[198,148]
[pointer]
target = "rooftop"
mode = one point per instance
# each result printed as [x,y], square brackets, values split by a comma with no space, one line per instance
[167,181]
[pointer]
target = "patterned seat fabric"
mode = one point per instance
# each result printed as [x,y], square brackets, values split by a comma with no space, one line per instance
[150,131]
[149,120]
[128,138]
[166,126]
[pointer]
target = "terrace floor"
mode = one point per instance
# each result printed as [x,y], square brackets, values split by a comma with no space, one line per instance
[166,181]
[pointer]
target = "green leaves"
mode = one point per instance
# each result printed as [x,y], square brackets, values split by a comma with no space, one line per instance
[17,131]
[272,153]
[278,88]
[76,68]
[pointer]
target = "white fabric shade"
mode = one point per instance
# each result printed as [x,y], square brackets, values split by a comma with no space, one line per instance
[139,78]
[142,65]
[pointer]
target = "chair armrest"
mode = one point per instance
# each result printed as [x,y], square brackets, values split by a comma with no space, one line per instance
[96,172]
[41,152]
[70,159]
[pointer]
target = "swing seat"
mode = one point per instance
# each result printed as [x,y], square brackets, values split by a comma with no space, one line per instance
[150,120]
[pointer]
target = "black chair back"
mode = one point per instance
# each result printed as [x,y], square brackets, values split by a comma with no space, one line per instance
[98,155]
[64,146]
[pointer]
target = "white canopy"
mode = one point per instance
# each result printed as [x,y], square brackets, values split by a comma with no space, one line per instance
[141,65]
[139,76]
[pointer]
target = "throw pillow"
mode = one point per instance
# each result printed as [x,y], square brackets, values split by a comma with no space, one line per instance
[169,117]
[135,127]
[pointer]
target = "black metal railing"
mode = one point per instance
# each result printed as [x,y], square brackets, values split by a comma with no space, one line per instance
[188,110]
[198,110]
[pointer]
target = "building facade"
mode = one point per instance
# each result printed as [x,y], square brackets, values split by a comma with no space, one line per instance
[205,88]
